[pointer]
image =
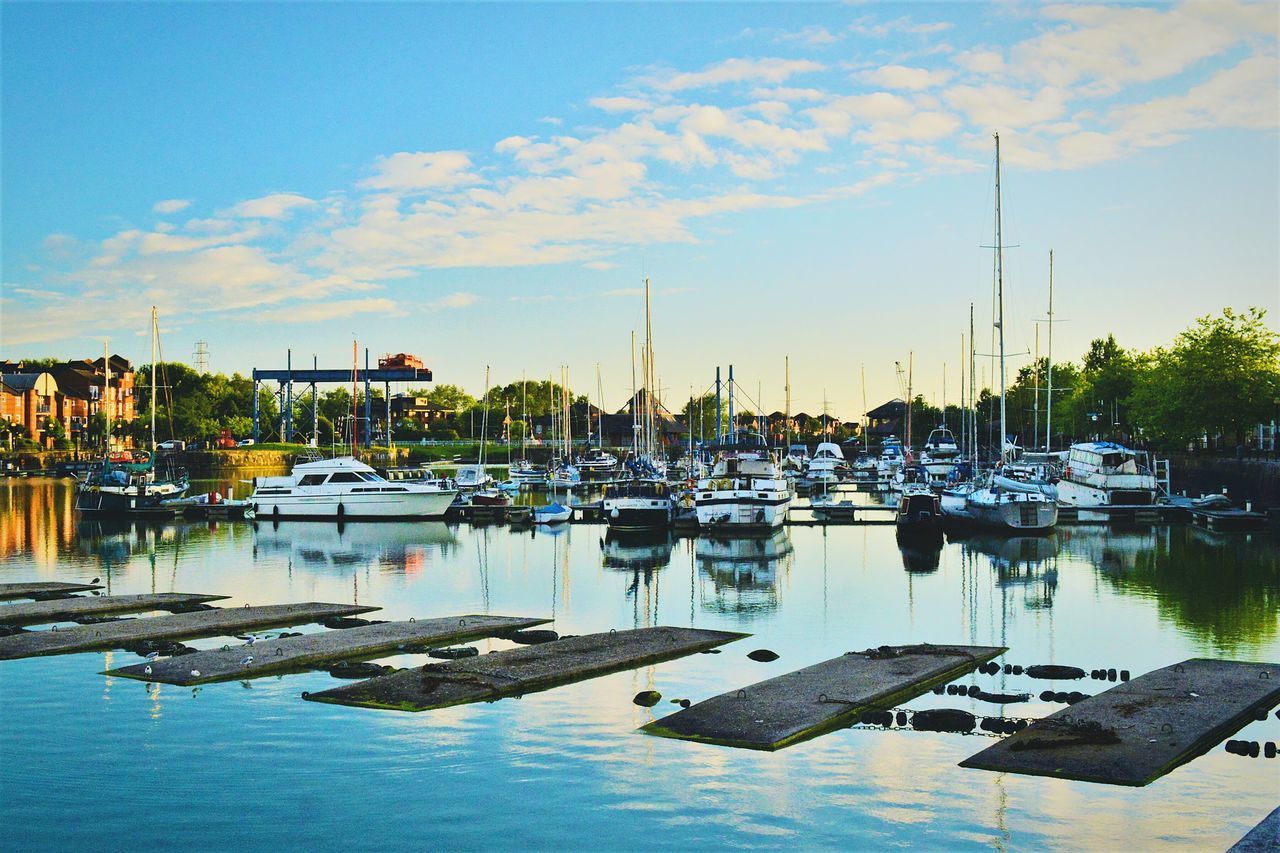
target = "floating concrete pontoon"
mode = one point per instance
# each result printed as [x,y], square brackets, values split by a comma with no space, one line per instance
[1139,730]
[30,590]
[524,670]
[180,626]
[296,653]
[794,707]
[64,609]
[1263,838]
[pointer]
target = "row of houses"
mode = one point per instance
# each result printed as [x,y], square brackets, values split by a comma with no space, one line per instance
[43,402]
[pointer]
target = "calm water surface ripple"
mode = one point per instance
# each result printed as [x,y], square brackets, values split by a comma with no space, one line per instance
[89,762]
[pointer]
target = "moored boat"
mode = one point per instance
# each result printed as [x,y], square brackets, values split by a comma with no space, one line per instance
[638,504]
[745,491]
[1103,473]
[347,489]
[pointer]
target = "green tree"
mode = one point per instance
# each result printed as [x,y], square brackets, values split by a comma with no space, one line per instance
[700,413]
[1221,377]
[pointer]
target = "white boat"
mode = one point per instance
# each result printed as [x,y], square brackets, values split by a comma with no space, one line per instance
[345,488]
[955,500]
[891,458]
[996,506]
[553,513]
[797,458]
[596,459]
[825,464]
[746,490]
[564,477]
[472,478]
[525,471]
[638,504]
[940,453]
[1102,473]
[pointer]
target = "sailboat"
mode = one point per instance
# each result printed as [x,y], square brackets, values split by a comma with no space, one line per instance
[127,482]
[993,503]
[641,500]
[483,493]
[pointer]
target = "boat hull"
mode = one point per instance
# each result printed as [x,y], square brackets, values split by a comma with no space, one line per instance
[1023,515]
[1073,493]
[742,510]
[637,513]
[124,502]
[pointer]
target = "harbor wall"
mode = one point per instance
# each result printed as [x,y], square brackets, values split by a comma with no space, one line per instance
[1256,480]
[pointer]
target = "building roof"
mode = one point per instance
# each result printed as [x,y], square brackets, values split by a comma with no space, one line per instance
[891,409]
[20,383]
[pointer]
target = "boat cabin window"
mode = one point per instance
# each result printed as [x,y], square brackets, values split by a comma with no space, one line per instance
[369,478]
[311,480]
[344,477]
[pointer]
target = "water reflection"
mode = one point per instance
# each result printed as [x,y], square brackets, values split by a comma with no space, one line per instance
[640,555]
[394,546]
[921,550]
[744,572]
[1222,589]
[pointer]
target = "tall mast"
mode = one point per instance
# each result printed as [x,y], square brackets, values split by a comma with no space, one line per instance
[599,409]
[1048,418]
[973,394]
[911,366]
[355,369]
[1035,394]
[153,378]
[944,395]
[787,426]
[106,392]
[1000,302]
[524,415]
[635,415]
[484,418]
[866,439]
[650,444]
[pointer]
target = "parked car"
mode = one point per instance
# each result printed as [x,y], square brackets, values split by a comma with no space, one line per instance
[224,441]
[172,444]
[245,442]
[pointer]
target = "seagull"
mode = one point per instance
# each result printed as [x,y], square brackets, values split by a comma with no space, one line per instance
[195,673]
[251,641]
[248,659]
[147,669]
[152,655]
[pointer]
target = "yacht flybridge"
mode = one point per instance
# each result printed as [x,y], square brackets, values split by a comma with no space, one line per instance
[346,488]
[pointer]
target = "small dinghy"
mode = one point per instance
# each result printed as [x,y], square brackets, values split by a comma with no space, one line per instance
[555,513]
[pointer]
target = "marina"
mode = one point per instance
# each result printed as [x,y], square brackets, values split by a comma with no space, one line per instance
[579,427]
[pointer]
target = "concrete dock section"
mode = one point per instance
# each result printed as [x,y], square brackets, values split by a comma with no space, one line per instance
[524,670]
[291,654]
[65,609]
[180,626]
[31,590]
[1263,838]
[1139,730]
[781,711]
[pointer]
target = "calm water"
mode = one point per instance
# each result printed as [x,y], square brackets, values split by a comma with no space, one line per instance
[88,762]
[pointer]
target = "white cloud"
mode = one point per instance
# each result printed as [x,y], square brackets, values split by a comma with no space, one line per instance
[274,206]
[814,36]
[735,71]
[993,105]
[318,312]
[421,170]
[904,77]
[171,205]
[460,299]
[621,104]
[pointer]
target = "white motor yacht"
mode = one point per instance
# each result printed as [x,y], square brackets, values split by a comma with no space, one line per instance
[823,467]
[346,488]
[745,491]
[1102,473]
[473,478]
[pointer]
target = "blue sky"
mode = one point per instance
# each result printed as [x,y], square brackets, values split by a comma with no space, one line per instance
[489,183]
